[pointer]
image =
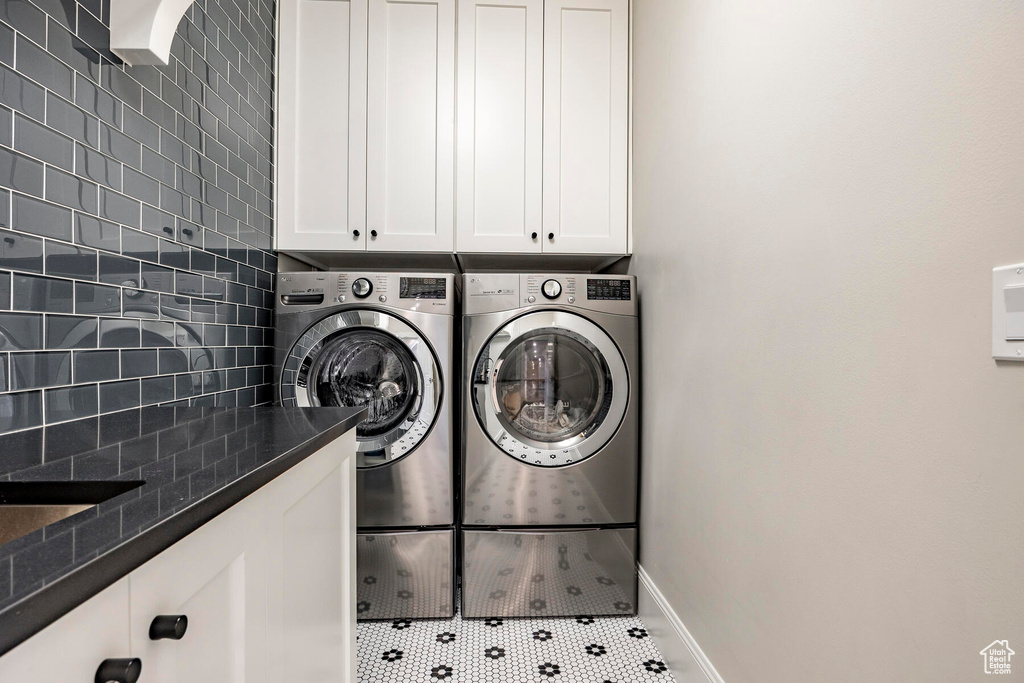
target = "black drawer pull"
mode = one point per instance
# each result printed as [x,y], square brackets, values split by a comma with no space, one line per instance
[551,236]
[168,627]
[119,671]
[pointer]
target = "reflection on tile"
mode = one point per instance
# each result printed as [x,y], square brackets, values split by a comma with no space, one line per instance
[37,369]
[119,333]
[157,333]
[117,270]
[98,168]
[5,290]
[71,403]
[137,303]
[157,278]
[42,143]
[21,94]
[21,331]
[93,232]
[173,361]
[97,299]
[3,372]
[21,410]
[138,362]
[41,218]
[21,173]
[70,332]
[175,307]
[157,390]
[21,252]
[67,190]
[97,366]
[69,261]
[43,294]
[139,245]
[119,396]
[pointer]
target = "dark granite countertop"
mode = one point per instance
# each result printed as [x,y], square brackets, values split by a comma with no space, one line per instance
[196,463]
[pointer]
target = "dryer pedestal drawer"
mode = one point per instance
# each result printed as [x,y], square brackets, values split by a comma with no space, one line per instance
[406,574]
[549,572]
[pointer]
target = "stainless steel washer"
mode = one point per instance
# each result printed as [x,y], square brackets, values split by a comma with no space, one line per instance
[550,452]
[384,340]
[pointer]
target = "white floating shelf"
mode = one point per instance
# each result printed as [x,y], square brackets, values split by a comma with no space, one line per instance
[141,31]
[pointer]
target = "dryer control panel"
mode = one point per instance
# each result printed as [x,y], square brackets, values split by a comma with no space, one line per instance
[493,292]
[426,292]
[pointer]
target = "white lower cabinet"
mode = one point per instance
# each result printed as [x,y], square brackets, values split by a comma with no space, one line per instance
[311,578]
[72,648]
[215,577]
[267,587]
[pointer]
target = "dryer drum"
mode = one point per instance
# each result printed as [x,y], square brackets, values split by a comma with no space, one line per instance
[367,367]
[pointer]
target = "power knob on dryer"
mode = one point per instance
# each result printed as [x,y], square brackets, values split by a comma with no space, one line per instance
[551,289]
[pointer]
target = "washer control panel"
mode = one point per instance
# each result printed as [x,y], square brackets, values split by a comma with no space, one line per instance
[492,292]
[433,293]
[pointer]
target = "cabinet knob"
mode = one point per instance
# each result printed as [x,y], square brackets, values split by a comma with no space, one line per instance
[533,236]
[168,627]
[355,233]
[373,234]
[551,236]
[119,671]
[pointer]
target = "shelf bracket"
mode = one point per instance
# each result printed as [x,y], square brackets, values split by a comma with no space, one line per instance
[141,31]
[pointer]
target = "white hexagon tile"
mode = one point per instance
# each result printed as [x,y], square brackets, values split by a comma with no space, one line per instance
[574,650]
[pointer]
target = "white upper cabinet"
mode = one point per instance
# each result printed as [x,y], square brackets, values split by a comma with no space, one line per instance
[369,156]
[321,145]
[586,89]
[410,165]
[501,114]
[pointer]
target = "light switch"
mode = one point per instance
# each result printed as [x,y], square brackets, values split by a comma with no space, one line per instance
[1008,313]
[1014,301]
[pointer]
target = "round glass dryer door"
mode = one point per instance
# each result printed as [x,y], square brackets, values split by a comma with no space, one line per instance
[550,388]
[372,359]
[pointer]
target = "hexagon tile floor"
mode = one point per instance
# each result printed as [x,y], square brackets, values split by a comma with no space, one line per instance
[574,650]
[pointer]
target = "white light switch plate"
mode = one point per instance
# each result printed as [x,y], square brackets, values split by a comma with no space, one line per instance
[1008,312]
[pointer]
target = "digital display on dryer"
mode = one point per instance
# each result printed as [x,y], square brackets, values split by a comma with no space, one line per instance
[608,290]
[422,288]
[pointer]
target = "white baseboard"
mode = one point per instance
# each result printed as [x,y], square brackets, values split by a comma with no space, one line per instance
[684,658]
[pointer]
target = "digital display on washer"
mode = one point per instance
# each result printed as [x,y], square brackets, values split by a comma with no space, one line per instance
[608,290]
[422,288]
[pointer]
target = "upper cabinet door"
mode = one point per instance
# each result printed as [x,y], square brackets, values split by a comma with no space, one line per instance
[501,114]
[586,47]
[410,162]
[321,145]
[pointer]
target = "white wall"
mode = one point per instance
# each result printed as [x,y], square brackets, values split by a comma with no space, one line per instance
[833,464]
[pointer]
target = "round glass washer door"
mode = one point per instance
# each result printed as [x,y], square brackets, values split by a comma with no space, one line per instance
[368,358]
[550,388]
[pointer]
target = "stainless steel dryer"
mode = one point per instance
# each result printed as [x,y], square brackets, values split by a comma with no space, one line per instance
[550,454]
[384,340]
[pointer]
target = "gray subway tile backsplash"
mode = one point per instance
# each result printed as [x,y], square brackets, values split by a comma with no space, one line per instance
[37,369]
[42,294]
[135,222]
[97,366]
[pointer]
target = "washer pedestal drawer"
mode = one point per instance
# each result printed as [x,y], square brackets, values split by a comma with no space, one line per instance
[549,572]
[405,574]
